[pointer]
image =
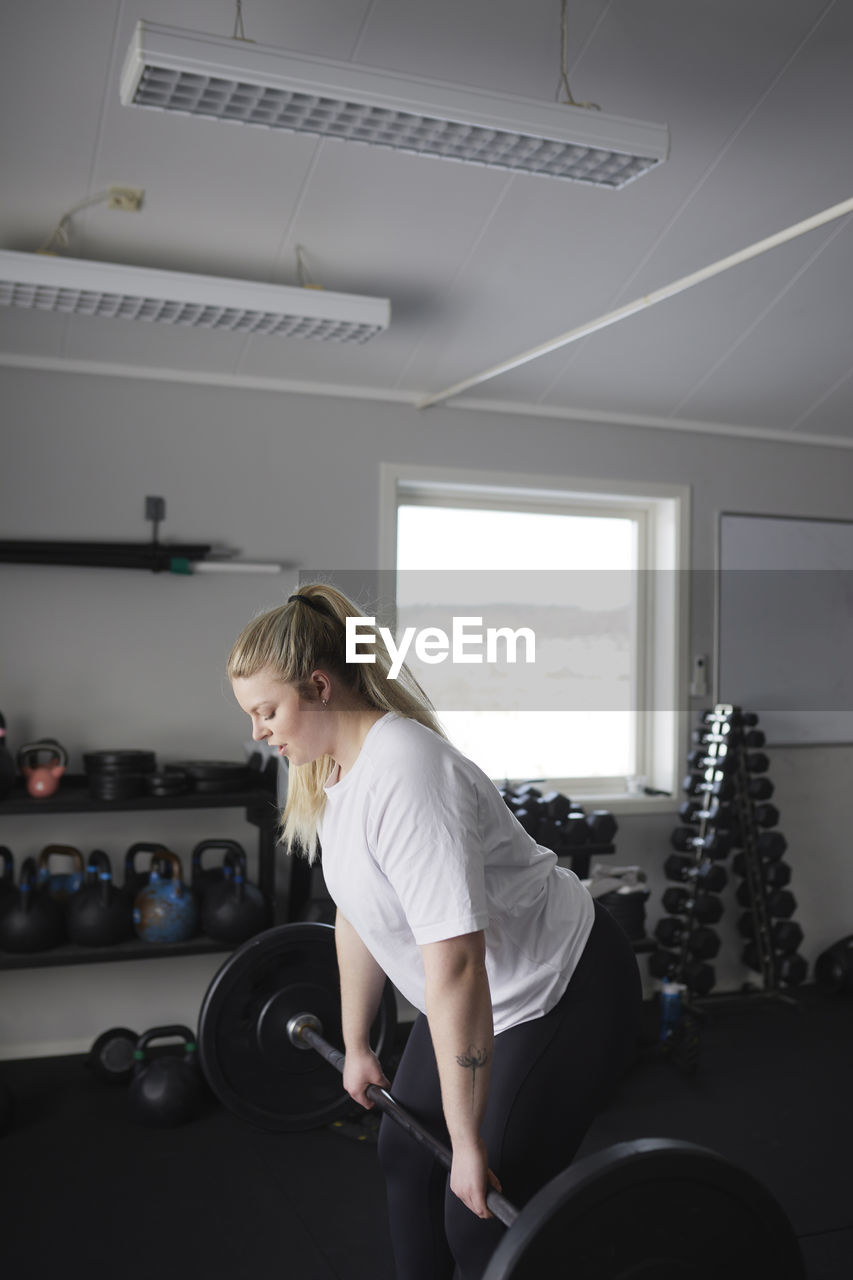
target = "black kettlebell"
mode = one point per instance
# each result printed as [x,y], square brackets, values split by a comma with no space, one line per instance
[166,1090]
[99,914]
[232,910]
[7,879]
[203,878]
[111,1056]
[32,921]
[135,880]
[60,885]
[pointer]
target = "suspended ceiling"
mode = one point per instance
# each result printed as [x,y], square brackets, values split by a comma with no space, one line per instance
[478,265]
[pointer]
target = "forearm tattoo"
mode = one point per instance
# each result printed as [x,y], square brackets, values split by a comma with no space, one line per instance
[472,1060]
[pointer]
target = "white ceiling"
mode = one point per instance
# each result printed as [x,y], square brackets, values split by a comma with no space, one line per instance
[479,265]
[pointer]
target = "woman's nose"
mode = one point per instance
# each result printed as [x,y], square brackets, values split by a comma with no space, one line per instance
[259,732]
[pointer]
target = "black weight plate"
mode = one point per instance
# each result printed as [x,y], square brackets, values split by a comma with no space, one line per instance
[245,1053]
[654,1209]
[129,761]
[222,786]
[214,770]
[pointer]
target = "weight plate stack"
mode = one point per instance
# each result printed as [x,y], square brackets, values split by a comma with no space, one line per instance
[169,781]
[213,777]
[118,775]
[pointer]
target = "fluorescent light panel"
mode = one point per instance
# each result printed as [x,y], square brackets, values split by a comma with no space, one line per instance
[74,286]
[167,69]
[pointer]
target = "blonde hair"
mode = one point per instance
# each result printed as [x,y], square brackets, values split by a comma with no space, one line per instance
[305,635]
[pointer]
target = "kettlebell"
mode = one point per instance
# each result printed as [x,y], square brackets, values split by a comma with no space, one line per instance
[33,921]
[99,914]
[164,911]
[111,1056]
[8,772]
[60,885]
[166,1090]
[232,910]
[203,878]
[7,878]
[42,776]
[134,879]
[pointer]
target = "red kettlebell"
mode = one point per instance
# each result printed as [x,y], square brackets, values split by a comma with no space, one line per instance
[42,776]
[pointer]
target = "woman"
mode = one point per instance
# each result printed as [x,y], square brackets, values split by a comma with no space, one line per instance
[528,994]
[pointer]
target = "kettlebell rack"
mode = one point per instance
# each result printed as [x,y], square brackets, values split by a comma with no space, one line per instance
[74,797]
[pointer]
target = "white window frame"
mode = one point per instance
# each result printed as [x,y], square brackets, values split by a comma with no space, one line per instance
[662,513]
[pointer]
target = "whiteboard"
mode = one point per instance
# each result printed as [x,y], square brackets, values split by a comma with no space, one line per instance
[785,625]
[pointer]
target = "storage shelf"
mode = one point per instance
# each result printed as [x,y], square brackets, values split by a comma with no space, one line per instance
[133,949]
[261,810]
[73,797]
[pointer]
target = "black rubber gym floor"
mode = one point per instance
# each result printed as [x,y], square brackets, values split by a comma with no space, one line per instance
[87,1193]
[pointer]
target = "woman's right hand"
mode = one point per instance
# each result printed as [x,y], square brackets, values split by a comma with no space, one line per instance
[361,1068]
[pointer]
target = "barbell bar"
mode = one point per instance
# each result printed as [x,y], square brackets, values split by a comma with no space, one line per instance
[306,1032]
[646,1209]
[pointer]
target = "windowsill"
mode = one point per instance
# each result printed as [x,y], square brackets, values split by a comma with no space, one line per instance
[629,804]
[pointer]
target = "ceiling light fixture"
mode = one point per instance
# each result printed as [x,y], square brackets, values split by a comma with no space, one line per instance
[168,69]
[76,286]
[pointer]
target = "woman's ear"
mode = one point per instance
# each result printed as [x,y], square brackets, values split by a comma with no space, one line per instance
[322,686]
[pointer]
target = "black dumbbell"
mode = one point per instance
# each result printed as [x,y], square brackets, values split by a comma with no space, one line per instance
[602,826]
[774,874]
[555,805]
[704,875]
[765,815]
[702,943]
[705,907]
[716,844]
[760,788]
[780,902]
[696,975]
[690,811]
[771,845]
[718,757]
[569,833]
[790,969]
[754,738]
[785,935]
[757,762]
[528,816]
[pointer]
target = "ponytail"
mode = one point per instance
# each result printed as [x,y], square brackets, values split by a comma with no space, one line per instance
[293,640]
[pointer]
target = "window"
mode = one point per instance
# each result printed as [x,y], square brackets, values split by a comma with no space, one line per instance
[583,576]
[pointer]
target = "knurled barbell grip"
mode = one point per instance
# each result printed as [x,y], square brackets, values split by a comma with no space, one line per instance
[304,1027]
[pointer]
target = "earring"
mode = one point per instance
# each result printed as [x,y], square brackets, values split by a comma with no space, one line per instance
[324,702]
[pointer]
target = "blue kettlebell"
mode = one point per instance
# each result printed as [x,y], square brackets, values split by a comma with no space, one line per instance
[164,911]
[60,885]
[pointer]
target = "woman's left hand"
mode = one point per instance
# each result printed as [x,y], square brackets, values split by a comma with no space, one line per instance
[470,1176]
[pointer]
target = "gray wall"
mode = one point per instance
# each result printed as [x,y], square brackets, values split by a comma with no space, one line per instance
[101,658]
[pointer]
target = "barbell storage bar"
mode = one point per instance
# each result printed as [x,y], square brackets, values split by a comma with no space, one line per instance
[381,1098]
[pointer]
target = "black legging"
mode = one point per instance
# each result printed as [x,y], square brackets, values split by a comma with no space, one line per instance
[549,1079]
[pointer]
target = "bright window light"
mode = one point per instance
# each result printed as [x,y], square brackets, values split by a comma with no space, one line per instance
[573,579]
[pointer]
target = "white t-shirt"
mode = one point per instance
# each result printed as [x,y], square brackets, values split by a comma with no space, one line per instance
[419,846]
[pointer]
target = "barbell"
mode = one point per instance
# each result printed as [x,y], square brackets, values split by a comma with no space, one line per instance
[649,1209]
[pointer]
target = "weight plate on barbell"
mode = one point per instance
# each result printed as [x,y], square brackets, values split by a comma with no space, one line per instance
[245,1053]
[653,1209]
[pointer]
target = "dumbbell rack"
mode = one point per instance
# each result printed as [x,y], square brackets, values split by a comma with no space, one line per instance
[561,825]
[730,818]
